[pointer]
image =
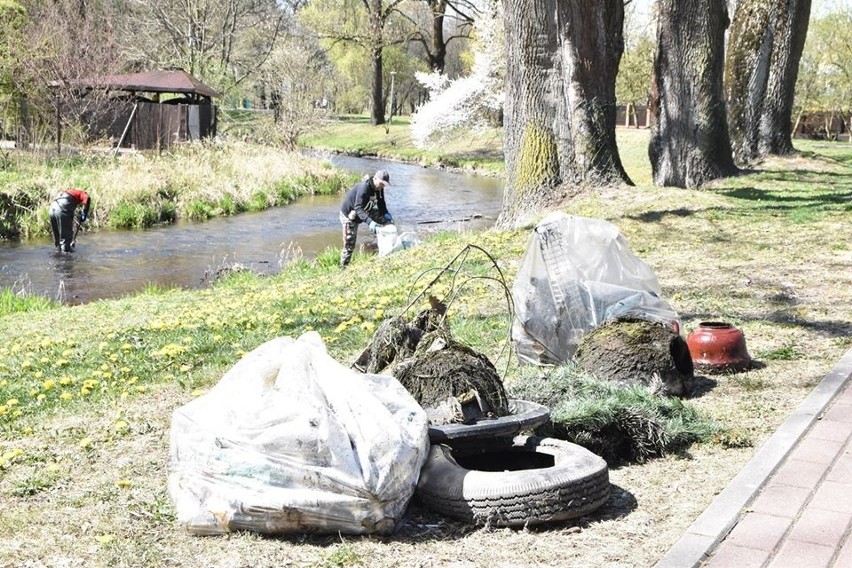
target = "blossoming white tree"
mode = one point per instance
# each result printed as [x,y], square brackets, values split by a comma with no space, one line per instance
[471,102]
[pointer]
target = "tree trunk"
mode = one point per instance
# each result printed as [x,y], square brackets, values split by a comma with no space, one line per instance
[689,140]
[376,37]
[765,46]
[438,56]
[560,113]
[378,111]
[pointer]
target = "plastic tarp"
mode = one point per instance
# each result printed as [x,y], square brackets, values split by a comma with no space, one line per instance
[291,441]
[577,273]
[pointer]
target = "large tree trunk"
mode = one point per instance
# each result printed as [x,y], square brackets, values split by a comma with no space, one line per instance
[689,140]
[562,59]
[765,46]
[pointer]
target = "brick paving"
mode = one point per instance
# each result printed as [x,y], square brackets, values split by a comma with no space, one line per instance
[791,506]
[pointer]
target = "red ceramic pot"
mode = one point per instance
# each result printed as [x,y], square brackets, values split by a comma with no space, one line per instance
[718,346]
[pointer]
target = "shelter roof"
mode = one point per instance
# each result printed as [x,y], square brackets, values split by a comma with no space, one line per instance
[167,81]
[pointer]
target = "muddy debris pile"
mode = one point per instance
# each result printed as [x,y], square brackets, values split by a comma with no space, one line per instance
[631,351]
[452,382]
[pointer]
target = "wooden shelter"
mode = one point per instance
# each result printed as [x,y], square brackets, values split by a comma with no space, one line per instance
[153,109]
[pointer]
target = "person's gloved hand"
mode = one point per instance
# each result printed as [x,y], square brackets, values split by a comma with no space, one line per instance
[373,227]
[388,218]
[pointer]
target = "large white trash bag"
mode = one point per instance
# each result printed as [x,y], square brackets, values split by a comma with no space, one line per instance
[290,440]
[577,273]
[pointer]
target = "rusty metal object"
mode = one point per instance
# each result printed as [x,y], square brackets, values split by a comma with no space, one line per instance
[718,347]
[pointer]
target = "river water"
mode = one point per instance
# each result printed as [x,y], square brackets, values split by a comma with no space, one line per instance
[110,264]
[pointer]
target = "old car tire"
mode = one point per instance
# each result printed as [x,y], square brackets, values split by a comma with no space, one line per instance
[525,481]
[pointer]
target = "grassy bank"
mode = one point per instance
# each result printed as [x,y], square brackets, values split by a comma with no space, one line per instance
[194,181]
[353,134]
[86,393]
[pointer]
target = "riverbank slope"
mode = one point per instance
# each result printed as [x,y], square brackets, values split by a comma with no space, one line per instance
[86,393]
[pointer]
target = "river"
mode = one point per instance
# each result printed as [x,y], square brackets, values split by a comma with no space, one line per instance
[110,264]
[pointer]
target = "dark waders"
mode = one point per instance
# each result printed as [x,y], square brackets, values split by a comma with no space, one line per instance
[62,222]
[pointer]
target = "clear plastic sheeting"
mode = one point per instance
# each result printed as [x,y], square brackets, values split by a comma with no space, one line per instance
[577,273]
[291,441]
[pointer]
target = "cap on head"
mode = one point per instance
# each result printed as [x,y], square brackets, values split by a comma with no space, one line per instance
[382,176]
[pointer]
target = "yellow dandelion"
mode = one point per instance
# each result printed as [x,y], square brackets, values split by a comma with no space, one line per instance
[66,395]
[86,443]
[124,483]
[12,402]
[105,538]
[48,384]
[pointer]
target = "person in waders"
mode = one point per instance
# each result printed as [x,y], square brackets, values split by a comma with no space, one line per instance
[62,217]
[364,203]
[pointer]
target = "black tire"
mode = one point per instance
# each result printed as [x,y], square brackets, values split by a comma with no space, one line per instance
[525,481]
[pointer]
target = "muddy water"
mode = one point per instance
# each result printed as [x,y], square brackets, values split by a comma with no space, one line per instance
[109,264]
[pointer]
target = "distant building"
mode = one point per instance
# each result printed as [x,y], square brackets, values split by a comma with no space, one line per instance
[153,109]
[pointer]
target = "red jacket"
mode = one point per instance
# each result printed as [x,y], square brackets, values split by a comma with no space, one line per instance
[82,198]
[80,195]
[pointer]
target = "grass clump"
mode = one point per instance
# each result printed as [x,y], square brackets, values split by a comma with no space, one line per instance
[12,302]
[619,424]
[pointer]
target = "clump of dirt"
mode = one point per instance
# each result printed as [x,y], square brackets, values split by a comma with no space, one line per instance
[451,381]
[454,382]
[637,352]
[395,339]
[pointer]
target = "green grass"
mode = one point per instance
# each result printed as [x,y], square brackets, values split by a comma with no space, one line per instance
[12,302]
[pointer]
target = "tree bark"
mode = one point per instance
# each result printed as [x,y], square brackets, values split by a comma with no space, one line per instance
[560,113]
[765,45]
[689,143]
[377,115]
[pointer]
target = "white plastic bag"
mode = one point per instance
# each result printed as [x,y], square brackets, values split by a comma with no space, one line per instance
[290,440]
[577,273]
[389,239]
